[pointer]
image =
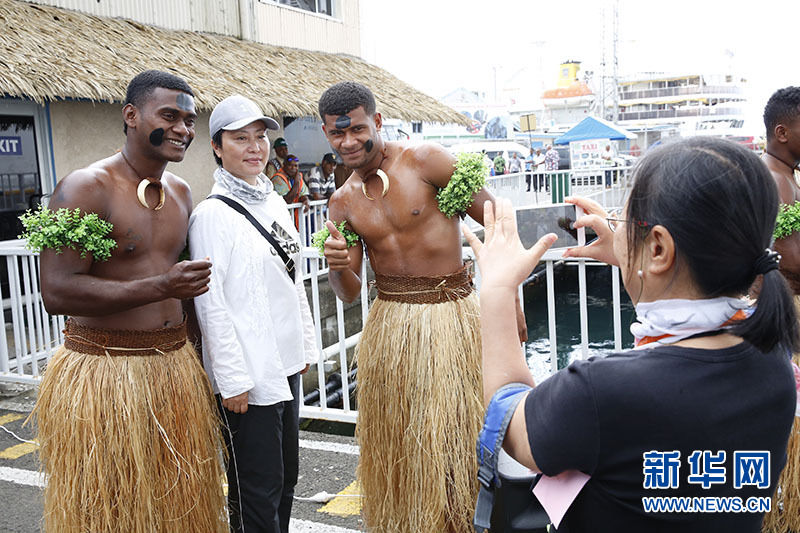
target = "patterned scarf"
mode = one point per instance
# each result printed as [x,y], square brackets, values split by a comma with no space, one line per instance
[668,321]
[242,190]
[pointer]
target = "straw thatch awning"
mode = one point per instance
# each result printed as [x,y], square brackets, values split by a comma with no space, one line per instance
[48,53]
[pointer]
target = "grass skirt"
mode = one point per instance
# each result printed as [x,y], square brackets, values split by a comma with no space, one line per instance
[419,414]
[129,442]
[785,514]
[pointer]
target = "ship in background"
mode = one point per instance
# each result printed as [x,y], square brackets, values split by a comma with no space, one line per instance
[658,106]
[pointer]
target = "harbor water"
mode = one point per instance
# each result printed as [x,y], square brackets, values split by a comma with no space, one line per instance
[568,330]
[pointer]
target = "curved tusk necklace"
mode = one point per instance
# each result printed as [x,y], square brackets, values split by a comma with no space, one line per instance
[140,190]
[382,175]
[384,180]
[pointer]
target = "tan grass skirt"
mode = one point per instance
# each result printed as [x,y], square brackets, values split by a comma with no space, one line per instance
[785,514]
[129,437]
[419,406]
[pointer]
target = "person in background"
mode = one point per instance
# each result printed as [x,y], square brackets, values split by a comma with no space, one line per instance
[551,158]
[281,151]
[499,164]
[540,180]
[515,165]
[288,182]
[322,180]
[529,170]
[782,156]
[708,390]
[608,156]
[257,330]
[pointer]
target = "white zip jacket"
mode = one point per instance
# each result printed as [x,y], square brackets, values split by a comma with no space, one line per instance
[256,324]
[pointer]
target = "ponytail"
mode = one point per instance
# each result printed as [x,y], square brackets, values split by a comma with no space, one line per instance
[774,321]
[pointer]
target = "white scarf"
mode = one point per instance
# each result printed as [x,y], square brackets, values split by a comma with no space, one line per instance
[668,321]
[242,190]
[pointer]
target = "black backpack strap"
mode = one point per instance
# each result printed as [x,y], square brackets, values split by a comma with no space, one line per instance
[288,262]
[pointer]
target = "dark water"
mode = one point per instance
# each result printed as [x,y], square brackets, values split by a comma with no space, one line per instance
[568,328]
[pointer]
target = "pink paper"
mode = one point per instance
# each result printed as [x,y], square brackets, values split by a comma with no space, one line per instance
[557,493]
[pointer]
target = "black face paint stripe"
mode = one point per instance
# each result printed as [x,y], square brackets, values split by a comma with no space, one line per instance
[184,102]
[369,145]
[342,121]
[157,137]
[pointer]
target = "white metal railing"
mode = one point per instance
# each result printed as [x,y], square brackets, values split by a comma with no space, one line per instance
[32,335]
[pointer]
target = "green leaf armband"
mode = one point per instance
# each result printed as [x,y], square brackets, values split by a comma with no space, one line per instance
[319,237]
[467,179]
[788,221]
[64,228]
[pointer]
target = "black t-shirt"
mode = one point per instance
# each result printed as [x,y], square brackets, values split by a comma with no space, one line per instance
[601,415]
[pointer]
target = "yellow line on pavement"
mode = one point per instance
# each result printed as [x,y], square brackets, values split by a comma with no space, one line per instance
[346,503]
[7,419]
[15,452]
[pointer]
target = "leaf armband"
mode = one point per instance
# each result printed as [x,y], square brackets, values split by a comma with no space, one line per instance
[467,179]
[85,233]
[788,221]
[319,237]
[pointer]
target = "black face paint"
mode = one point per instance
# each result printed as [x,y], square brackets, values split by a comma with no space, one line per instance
[157,137]
[369,145]
[342,122]
[184,102]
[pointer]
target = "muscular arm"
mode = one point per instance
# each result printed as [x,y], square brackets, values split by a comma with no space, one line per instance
[440,167]
[344,263]
[68,287]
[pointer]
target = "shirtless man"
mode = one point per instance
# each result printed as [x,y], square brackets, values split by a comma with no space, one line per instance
[124,403]
[419,355]
[782,156]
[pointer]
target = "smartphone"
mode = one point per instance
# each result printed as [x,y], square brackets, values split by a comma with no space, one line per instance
[533,222]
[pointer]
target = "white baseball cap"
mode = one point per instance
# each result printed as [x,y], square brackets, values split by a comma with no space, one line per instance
[235,112]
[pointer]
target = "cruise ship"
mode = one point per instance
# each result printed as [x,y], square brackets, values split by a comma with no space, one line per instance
[658,106]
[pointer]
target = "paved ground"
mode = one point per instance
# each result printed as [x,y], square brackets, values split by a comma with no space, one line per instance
[327,464]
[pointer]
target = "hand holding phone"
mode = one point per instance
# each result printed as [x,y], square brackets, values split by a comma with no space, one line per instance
[536,221]
[503,260]
[602,248]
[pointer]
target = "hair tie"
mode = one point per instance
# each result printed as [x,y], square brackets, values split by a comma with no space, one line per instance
[767,262]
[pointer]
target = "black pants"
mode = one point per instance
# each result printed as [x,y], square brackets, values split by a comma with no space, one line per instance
[262,463]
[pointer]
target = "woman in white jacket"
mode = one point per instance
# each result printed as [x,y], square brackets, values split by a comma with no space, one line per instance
[258,333]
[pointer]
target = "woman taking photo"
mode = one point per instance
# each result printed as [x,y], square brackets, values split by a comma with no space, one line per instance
[257,330]
[709,380]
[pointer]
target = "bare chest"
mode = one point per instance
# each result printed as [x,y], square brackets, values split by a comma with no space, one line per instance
[405,209]
[141,232]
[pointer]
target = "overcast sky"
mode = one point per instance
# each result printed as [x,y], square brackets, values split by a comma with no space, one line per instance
[438,45]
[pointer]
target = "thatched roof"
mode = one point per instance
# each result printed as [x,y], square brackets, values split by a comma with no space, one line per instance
[48,53]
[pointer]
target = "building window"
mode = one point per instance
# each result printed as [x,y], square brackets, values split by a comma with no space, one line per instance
[323,7]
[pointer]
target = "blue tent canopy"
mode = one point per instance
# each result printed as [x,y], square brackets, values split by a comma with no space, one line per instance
[594,128]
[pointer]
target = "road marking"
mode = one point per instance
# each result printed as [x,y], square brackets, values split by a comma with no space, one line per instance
[306,526]
[36,479]
[329,446]
[348,503]
[21,477]
[17,451]
[7,419]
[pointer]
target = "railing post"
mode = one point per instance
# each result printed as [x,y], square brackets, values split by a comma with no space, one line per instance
[551,316]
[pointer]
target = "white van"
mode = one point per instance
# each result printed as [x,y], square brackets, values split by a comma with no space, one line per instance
[492,148]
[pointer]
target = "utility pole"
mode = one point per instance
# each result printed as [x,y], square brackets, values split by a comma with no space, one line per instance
[603,64]
[614,84]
